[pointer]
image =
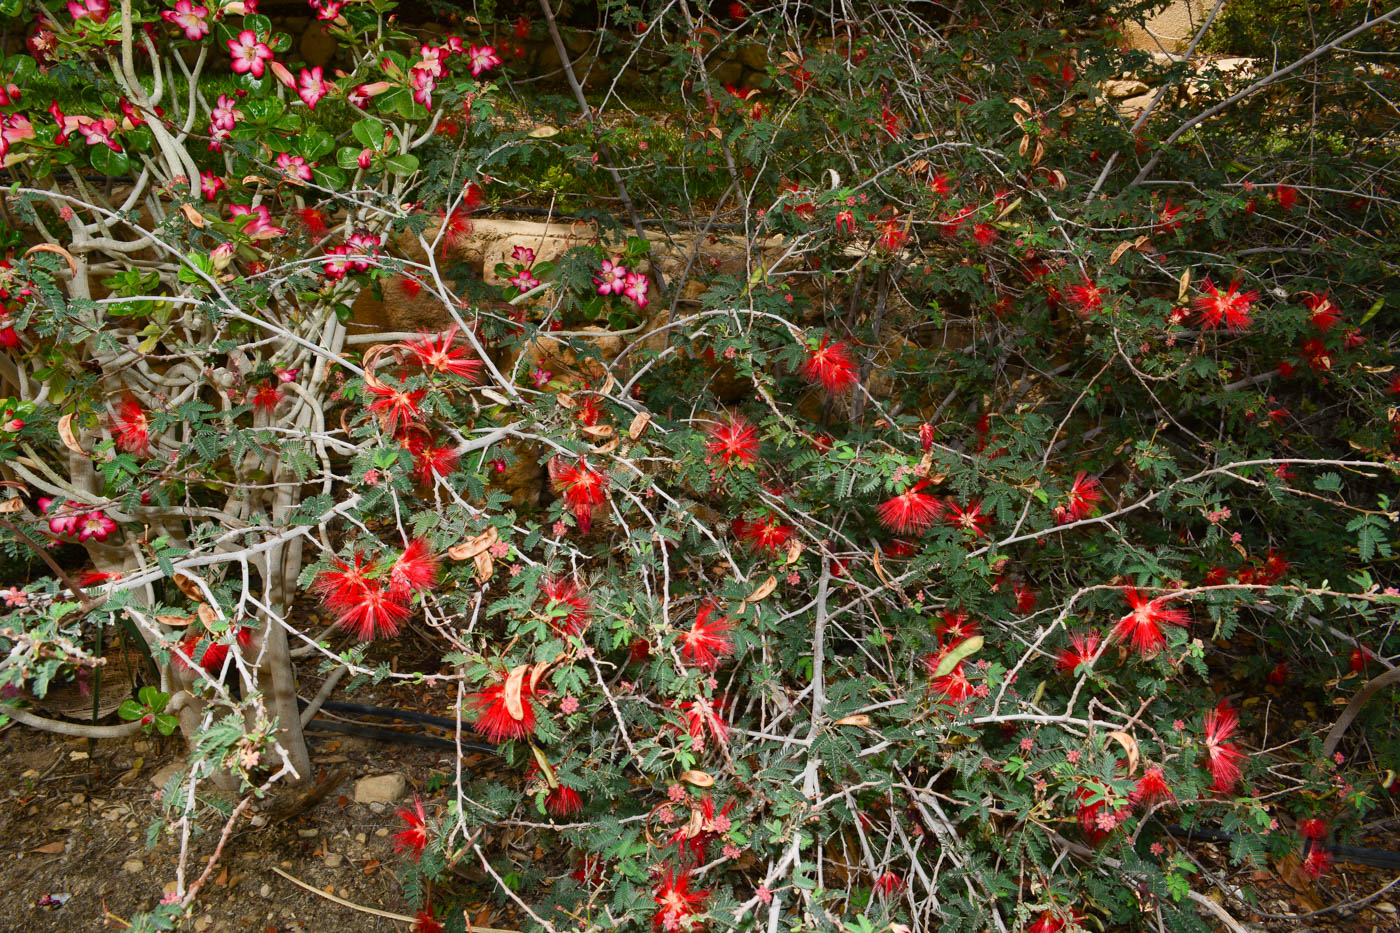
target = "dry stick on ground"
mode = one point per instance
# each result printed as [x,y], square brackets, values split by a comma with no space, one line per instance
[609,162]
[1334,737]
[389,915]
[1259,85]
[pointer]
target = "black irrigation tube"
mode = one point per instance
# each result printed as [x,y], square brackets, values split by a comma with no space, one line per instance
[1376,858]
[391,735]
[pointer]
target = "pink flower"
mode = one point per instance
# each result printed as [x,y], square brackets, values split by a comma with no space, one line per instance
[95,526]
[361,94]
[294,166]
[311,88]
[423,86]
[260,227]
[482,59]
[612,278]
[523,254]
[225,115]
[249,53]
[210,185]
[334,264]
[14,597]
[327,9]
[636,287]
[190,18]
[95,10]
[99,132]
[566,705]
[524,281]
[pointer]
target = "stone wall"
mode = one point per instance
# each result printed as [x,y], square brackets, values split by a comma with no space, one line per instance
[1172,29]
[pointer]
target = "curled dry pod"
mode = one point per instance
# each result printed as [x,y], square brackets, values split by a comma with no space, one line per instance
[859,719]
[207,616]
[189,587]
[1130,746]
[639,424]
[764,590]
[515,682]
[698,778]
[471,547]
[65,434]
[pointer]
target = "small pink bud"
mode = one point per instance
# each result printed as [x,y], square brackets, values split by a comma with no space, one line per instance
[363,160]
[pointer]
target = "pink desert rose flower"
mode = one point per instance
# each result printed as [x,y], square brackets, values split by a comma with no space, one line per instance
[99,132]
[636,287]
[249,53]
[260,227]
[362,94]
[363,160]
[523,254]
[311,87]
[294,166]
[192,19]
[523,280]
[327,9]
[95,10]
[95,526]
[210,185]
[612,278]
[482,59]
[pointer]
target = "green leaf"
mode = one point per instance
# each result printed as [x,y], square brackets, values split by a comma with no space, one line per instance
[369,132]
[348,158]
[108,162]
[315,143]
[166,723]
[1374,310]
[130,710]
[260,24]
[402,164]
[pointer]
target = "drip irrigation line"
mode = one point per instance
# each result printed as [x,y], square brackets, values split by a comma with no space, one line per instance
[1376,858]
[391,735]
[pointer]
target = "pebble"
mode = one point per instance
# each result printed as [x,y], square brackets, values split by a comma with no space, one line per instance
[381,832]
[133,866]
[380,788]
[308,833]
[361,838]
[1385,907]
[333,859]
[204,923]
[265,891]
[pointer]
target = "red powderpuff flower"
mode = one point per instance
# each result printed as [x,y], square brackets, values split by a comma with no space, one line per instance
[910,509]
[359,601]
[1279,675]
[733,440]
[1324,312]
[265,397]
[708,639]
[1026,598]
[1229,308]
[583,488]
[1317,861]
[954,626]
[767,534]
[569,608]
[1142,627]
[394,407]
[130,428]
[701,716]
[563,802]
[1313,828]
[436,352]
[425,922]
[493,717]
[1223,756]
[1047,922]
[414,837]
[1095,821]
[1151,788]
[830,364]
[312,219]
[1083,647]
[676,903]
[1083,495]
[409,285]
[1287,196]
[889,883]
[970,518]
[953,687]
[416,569]
[431,461]
[1086,297]
[212,660]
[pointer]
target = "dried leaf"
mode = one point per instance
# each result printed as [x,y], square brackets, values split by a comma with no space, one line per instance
[484,567]
[1183,286]
[598,430]
[565,400]
[65,434]
[1130,746]
[607,448]
[515,682]
[765,589]
[175,621]
[1118,252]
[189,587]
[10,506]
[195,218]
[859,719]
[698,778]
[794,551]
[495,396]
[638,425]
[51,848]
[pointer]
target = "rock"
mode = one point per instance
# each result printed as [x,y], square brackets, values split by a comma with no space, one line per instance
[1135,105]
[204,923]
[333,859]
[133,866]
[308,833]
[1131,87]
[160,778]
[265,891]
[361,838]
[380,788]
[754,56]
[381,832]
[1239,67]
[730,72]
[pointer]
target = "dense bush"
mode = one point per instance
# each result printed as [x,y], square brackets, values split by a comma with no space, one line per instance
[886,516]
